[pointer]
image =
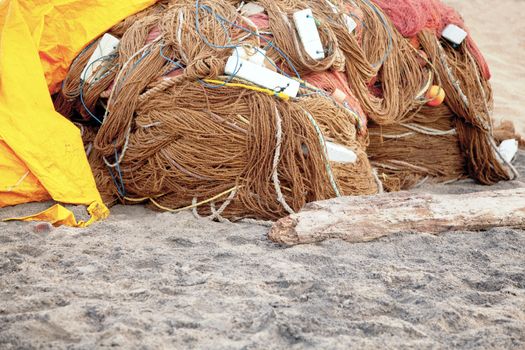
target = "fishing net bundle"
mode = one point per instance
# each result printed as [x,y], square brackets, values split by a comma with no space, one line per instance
[463,74]
[164,124]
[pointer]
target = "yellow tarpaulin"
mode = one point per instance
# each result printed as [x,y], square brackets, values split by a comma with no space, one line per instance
[41,153]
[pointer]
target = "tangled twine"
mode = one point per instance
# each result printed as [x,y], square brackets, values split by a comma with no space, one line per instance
[163,124]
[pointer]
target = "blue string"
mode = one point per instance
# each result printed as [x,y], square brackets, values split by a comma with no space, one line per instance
[363,23]
[224,20]
[76,58]
[197,27]
[238,66]
[144,55]
[387,28]
[177,64]
[83,82]
[360,117]
[121,189]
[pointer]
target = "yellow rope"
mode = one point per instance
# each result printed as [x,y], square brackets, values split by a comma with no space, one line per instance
[281,95]
[184,208]
[138,200]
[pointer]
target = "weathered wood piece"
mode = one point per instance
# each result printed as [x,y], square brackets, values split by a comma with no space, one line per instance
[361,219]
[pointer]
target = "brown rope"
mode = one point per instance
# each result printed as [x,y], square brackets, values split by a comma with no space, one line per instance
[170,139]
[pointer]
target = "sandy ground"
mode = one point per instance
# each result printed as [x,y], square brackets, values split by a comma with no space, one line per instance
[147,280]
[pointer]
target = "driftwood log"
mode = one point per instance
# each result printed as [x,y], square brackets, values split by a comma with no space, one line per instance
[361,219]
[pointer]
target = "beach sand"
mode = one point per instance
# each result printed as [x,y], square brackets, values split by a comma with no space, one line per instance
[149,280]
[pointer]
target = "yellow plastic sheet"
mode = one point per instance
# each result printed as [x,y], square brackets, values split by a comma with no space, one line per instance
[41,153]
[58,215]
[19,185]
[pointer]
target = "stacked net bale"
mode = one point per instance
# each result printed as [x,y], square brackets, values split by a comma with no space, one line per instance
[164,124]
[389,72]
[372,55]
[427,148]
[169,128]
[463,74]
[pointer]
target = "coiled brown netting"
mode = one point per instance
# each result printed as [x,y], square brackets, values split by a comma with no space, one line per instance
[163,123]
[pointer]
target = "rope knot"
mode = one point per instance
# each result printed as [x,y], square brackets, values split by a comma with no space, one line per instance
[204,68]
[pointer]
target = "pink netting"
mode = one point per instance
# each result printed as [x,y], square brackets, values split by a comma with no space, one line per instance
[412,16]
